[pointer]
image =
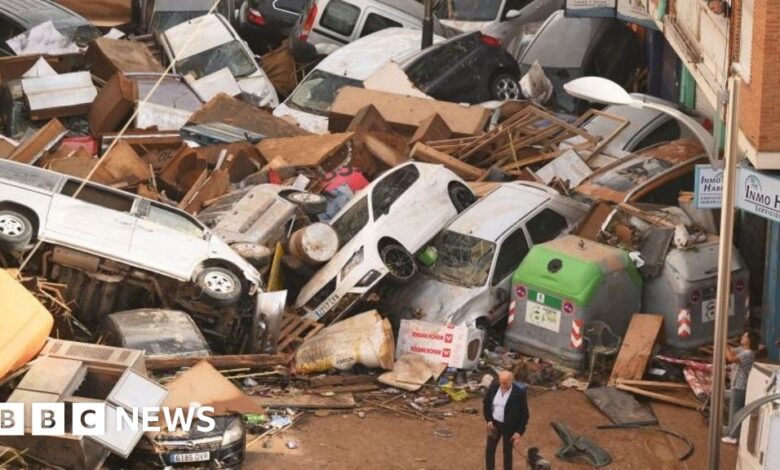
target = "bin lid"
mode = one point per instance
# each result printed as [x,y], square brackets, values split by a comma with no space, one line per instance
[701,261]
[573,267]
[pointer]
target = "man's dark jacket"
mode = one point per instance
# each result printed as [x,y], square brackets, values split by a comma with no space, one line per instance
[515,412]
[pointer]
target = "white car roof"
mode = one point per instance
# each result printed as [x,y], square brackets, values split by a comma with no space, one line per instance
[497,212]
[212,33]
[360,59]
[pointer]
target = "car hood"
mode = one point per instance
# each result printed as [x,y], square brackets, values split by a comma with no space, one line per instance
[431,300]
[310,122]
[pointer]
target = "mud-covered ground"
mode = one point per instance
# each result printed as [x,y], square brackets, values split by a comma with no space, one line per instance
[382,440]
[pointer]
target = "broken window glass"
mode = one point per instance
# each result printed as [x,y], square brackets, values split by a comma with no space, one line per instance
[351,221]
[318,91]
[174,220]
[391,187]
[546,225]
[625,177]
[511,254]
[462,260]
[231,55]
[467,10]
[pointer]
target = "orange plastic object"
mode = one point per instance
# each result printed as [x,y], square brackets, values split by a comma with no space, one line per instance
[25,324]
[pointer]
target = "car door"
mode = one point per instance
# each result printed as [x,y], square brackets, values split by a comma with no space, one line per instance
[97,219]
[511,251]
[168,241]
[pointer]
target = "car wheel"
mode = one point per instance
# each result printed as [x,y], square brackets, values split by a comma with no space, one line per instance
[311,204]
[461,197]
[219,286]
[398,261]
[16,231]
[505,87]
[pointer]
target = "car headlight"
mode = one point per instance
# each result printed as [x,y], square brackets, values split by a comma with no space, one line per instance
[233,433]
[356,259]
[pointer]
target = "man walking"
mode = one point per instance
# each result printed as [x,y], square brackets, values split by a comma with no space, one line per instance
[505,408]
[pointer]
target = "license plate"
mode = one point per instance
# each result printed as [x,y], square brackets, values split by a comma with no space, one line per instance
[191,457]
[329,303]
[543,316]
[708,309]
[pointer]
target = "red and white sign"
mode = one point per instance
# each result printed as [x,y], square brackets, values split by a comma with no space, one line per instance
[447,344]
[684,323]
[575,339]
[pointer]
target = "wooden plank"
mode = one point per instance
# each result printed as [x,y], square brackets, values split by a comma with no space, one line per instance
[310,151]
[383,152]
[309,402]
[636,348]
[252,361]
[427,154]
[433,128]
[661,397]
[341,380]
[653,384]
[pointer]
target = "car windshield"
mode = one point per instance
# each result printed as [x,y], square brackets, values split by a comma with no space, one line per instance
[351,221]
[230,54]
[467,10]
[462,260]
[318,91]
[163,20]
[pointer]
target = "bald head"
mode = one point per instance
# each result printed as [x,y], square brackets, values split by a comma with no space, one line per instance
[505,379]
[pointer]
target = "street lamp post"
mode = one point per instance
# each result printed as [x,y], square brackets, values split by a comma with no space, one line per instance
[602,90]
[605,91]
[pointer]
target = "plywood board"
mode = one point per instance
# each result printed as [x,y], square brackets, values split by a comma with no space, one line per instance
[303,151]
[309,402]
[620,407]
[406,112]
[637,347]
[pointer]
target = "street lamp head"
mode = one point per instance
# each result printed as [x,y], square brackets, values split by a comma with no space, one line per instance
[599,90]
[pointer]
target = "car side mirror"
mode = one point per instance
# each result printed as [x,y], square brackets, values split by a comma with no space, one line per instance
[513,14]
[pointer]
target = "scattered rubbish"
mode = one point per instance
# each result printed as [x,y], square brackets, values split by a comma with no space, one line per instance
[580,449]
[410,372]
[292,444]
[621,407]
[443,432]
[363,339]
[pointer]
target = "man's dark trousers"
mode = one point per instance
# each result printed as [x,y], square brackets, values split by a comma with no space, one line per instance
[498,433]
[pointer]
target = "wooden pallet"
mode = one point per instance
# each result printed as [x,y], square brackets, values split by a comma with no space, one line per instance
[294,331]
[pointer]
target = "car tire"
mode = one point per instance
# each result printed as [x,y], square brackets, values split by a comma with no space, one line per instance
[219,286]
[461,197]
[16,230]
[310,204]
[399,262]
[505,87]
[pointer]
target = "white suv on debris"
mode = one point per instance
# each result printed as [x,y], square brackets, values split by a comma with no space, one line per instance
[37,204]
[379,232]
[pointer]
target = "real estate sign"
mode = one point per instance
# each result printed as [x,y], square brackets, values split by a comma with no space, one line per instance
[758,193]
[708,188]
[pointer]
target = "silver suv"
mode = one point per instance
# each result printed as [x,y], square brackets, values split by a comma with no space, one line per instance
[37,204]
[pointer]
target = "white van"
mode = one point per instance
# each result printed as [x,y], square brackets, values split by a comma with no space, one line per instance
[329,24]
[310,102]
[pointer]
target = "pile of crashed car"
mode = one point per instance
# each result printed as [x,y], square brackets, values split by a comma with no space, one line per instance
[158,195]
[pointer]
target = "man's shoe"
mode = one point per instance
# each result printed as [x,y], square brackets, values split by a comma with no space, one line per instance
[729,440]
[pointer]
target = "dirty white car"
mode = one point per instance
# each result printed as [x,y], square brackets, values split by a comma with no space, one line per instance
[37,204]
[205,45]
[379,231]
[350,65]
[473,259]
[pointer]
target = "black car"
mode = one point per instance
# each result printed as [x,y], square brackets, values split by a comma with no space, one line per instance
[469,68]
[573,47]
[222,447]
[18,16]
[264,24]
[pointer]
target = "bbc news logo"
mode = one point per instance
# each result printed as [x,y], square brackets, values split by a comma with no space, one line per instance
[99,419]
